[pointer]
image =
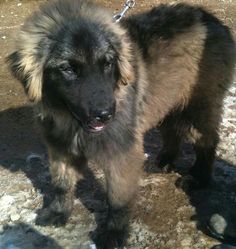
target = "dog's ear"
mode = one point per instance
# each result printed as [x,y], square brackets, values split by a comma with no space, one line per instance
[27,71]
[126,61]
[14,61]
[126,70]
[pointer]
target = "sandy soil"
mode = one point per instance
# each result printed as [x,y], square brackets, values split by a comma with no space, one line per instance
[165,216]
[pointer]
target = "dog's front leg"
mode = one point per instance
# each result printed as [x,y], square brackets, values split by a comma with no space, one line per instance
[122,176]
[64,178]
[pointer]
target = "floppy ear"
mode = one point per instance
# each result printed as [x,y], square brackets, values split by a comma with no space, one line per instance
[28,72]
[14,61]
[126,70]
[125,62]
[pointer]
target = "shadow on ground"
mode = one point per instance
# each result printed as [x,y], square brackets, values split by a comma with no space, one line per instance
[216,200]
[25,237]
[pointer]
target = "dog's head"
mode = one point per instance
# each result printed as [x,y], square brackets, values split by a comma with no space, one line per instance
[72,57]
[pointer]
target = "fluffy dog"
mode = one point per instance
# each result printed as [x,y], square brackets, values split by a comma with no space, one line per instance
[101,85]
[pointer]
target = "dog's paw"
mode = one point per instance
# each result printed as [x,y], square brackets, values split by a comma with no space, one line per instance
[110,239]
[47,217]
[165,162]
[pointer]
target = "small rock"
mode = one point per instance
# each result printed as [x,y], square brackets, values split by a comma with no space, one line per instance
[15,217]
[218,224]
[223,225]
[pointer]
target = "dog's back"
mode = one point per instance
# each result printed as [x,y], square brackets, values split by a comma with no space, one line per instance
[189,58]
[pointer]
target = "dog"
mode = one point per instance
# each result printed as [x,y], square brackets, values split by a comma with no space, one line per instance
[100,86]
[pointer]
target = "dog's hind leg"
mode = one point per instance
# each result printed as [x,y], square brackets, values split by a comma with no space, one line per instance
[171,136]
[203,134]
[205,148]
[64,178]
[122,176]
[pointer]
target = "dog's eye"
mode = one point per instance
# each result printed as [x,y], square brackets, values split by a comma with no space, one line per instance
[68,70]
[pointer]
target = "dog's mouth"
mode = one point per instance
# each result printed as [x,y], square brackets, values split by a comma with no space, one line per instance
[91,126]
[95,126]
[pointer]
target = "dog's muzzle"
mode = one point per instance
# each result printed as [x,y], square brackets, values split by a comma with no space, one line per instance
[100,121]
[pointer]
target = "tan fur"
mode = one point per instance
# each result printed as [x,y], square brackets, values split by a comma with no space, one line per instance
[124,173]
[172,73]
[62,170]
[193,135]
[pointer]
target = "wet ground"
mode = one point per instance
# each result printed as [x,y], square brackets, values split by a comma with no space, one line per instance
[165,216]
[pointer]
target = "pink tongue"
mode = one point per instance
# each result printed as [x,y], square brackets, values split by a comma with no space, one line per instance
[96,125]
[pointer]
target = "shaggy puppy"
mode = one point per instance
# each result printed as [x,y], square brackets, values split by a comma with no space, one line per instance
[101,85]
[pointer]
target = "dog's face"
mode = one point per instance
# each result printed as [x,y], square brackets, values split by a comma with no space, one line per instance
[81,75]
[76,65]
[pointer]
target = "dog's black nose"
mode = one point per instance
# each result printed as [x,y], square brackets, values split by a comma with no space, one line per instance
[103,116]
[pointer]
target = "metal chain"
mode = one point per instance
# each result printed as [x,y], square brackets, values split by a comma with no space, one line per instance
[128,5]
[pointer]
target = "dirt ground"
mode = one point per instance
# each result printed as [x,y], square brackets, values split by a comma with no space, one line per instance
[165,216]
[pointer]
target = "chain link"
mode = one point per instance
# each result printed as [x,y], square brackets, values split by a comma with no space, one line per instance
[128,5]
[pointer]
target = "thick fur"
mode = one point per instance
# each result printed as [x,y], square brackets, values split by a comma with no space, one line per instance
[170,66]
